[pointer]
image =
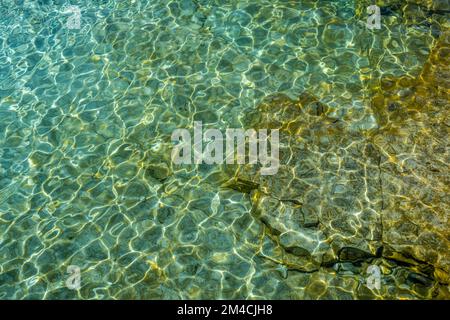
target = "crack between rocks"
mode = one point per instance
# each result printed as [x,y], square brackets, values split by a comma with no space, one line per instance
[382,198]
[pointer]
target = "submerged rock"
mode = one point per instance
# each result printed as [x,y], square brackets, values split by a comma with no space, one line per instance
[413,142]
[357,195]
[326,195]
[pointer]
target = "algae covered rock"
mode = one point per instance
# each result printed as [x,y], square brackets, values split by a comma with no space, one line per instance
[356,195]
[326,195]
[415,163]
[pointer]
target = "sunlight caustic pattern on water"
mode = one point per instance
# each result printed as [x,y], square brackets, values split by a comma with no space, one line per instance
[86,178]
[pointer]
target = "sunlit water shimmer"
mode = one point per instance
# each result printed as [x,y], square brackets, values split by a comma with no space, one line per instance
[86,177]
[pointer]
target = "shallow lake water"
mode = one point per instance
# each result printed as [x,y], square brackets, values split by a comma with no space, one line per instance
[86,177]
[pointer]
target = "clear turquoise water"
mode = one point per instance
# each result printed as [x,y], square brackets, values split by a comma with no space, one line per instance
[85,123]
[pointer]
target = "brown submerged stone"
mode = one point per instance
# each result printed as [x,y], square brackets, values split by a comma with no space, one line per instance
[346,195]
[326,195]
[413,141]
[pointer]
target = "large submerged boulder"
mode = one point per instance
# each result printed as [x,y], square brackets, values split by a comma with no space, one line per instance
[413,141]
[342,194]
[325,201]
